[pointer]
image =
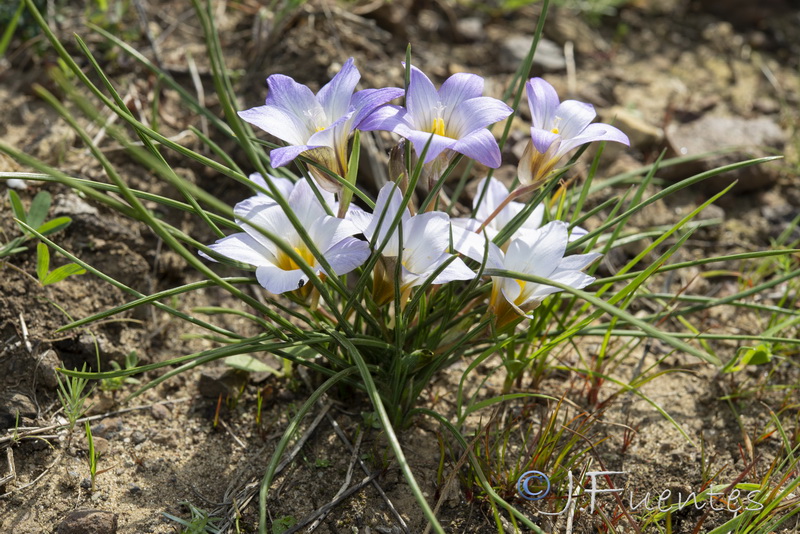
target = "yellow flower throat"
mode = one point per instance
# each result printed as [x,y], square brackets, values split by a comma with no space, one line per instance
[288,264]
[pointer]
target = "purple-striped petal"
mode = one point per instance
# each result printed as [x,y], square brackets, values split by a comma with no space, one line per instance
[595,132]
[438,144]
[335,96]
[476,114]
[458,88]
[278,122]
[347,254]
[543,139]
[295,99]
[283,156]
[367,101]
[480,146]
[543,101]
[422,101]
[572,118]
[388,118]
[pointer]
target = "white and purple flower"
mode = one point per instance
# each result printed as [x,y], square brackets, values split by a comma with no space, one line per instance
[538,252]
[320,125]
[557,128]
[276,271]
[494,212]
[424,248]
[496,195]
[453,119]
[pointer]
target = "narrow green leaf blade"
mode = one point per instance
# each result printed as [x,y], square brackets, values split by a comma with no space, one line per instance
[42,261]
[39,208]
[16,205]
[53,226]
[63,272]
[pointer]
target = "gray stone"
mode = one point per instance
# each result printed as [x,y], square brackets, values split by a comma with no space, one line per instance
[46,369]
[15,406]
[470,29]
[171,437]
[137,437]
[549,56]
[160,412]
[71,205]
[747,138]
[216,382]
[642,134]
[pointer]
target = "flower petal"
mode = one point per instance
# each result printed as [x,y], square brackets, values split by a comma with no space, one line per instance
[543,139]
[495,194]
[422,100]
[425,238]
[387,205]
[475,114]
[474,246]
[347,254]
[572,117]
[305,205]
[538,252]
[543,101]
[480,146]
[458,88]
[533,221]
[327,231]
[597,131]
[335,96]
[438,144]
[278,157]
[576,262]
[279,123]
[242,247]
[365,102]
[455,270]
[388,118]
[284,185]
[296,100]
[335,135]
[575,279]
[269,217]
[277,281]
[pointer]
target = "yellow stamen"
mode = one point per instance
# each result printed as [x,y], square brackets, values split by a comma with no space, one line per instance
[438,126]
[554,130]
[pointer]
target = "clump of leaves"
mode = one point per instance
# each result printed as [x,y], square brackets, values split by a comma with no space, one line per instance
[34,218]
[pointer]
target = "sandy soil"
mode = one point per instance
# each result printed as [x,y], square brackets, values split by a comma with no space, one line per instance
[659,77]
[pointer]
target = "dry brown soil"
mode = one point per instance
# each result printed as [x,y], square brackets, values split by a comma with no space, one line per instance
[656,66]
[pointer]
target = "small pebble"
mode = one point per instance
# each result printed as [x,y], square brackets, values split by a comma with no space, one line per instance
[160,412]
[138,437]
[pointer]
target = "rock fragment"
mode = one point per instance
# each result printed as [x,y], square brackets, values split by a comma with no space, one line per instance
[88,522]
[746,139]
